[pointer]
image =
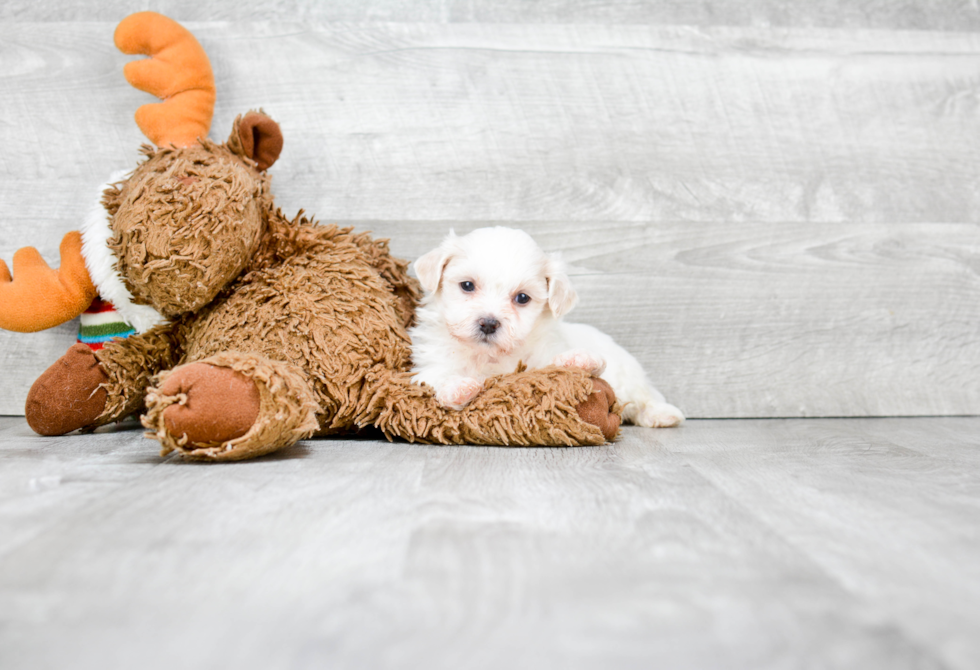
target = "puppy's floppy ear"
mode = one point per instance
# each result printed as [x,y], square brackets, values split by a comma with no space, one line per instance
[429,267]
[561,296]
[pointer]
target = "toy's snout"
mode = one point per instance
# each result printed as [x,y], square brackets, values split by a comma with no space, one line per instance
[188,222]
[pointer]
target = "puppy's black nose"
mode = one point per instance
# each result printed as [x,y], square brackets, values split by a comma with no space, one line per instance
[488,325]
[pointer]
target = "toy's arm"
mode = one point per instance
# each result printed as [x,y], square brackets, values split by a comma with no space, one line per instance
[37,297]
[237,405]
[547,407]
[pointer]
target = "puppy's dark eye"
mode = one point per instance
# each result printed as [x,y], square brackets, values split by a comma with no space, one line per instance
[467,286]
[522,298]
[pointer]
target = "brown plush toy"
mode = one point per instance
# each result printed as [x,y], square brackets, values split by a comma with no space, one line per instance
[253,330]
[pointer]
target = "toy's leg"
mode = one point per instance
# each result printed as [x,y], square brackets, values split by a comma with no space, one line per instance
[85,389]
[546,407]
[129,365]
[69,395]
[230,406]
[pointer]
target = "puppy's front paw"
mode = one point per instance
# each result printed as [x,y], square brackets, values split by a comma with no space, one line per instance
[580,359]
[458,392]
[658,415]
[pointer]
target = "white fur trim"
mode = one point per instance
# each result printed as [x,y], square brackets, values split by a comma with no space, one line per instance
[101,266]
[101,318]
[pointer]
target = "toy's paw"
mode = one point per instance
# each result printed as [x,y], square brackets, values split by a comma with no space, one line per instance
[215,404]
[458,392]
[579,359]
[598,409]
[658,415]
[69,395]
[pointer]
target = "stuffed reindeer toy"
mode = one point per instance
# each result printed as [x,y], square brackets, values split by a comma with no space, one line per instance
[253,331]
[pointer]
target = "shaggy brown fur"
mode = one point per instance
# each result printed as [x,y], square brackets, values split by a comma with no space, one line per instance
[169,224]
[315,316]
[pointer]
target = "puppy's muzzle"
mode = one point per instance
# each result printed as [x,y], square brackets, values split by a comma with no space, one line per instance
[488,326]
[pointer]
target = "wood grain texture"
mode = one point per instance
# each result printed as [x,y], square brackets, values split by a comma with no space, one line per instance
[534,123]
[778,222]
[735,544]
[765,320]
[952,15]
[778,319]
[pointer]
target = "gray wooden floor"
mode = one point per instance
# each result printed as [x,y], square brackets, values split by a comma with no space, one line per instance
[805,543]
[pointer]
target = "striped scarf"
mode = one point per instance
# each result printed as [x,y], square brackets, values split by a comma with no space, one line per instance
[101,323]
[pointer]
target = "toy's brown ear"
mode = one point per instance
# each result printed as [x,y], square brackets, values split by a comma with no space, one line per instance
[258,137]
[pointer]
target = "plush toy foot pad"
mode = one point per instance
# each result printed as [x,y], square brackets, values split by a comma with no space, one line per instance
[598,409]
[218,404]
[69,395]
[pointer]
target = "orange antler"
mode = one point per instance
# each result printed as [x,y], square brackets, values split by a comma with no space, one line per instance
[38,297]
[178,72]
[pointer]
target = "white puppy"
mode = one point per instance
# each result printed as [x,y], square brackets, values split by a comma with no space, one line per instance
[495,299]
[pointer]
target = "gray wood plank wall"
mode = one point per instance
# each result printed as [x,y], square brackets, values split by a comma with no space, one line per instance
[952,15]
[773,204]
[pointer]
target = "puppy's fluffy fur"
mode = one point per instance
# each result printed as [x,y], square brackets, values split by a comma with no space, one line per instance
[495,299]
